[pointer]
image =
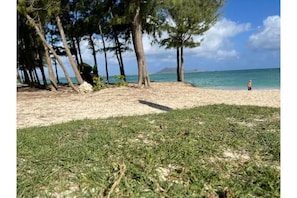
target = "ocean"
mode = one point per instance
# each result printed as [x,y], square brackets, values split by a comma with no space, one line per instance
[231,79]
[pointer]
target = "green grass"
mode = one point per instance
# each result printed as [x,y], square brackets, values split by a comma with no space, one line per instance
[222,150]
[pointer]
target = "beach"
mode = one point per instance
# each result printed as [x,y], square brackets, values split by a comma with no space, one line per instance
[42,107]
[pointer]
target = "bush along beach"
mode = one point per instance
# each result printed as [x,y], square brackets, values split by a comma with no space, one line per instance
[207,151]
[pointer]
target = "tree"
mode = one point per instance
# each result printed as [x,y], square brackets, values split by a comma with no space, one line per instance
[69,55]
[40,10]
[52,50]
[114,30]
[188,18]
[135,12]
[117,33]
[53,86]
[104,50]
[143,77]
[30,53]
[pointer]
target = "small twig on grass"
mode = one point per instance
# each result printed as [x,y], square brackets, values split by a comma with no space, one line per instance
[114,185]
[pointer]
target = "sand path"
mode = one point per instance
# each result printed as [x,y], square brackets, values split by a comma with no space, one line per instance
[40,108]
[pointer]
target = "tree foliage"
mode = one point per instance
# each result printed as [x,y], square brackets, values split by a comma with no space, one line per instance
[183,21]
[120,22]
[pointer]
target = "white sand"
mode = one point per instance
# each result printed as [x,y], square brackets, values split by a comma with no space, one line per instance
[42,108]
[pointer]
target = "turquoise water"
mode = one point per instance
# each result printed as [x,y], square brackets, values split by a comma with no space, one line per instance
[235,79]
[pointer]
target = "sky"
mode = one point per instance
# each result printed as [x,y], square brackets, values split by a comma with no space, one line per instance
[246,36]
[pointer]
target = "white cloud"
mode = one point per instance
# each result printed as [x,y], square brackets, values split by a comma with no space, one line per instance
[216,43]
[268,36]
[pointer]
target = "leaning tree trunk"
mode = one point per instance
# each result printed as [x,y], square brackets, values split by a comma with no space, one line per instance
[53,51]
[32,79]
[18,76]
[26,77]
[72,63]
[43,76]
[53,85]
[36,76]
[143,77]
[105,55]
[41,68]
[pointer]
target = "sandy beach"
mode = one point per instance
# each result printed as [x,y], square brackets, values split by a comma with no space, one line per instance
[41,107]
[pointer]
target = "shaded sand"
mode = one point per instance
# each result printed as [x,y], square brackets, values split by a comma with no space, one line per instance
[43,107]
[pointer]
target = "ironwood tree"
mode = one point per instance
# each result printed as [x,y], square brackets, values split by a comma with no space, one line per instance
[185,19]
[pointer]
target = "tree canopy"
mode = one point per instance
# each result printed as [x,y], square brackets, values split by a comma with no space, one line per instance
[184,20]
[45,23]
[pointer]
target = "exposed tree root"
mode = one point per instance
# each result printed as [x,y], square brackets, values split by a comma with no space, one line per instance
[116,183]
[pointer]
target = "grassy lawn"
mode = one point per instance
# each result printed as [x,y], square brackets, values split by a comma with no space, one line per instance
[208,151]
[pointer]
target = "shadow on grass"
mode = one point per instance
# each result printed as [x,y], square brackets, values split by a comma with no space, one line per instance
[156,106]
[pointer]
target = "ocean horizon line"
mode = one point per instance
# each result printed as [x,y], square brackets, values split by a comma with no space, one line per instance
[192,71]
[263,78]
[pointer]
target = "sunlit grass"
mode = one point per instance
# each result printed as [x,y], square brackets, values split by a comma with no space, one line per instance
[220,150]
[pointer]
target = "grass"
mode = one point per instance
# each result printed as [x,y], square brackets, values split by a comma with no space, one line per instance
[208,151]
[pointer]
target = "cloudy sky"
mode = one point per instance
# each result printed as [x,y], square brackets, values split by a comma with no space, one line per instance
[246,36]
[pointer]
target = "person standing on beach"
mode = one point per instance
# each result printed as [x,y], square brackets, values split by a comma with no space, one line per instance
[249,85]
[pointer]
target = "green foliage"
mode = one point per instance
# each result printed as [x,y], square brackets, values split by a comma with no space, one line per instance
[122,82]
[205,151]
[95,69]
[85,68]
[188,19]
[98,83]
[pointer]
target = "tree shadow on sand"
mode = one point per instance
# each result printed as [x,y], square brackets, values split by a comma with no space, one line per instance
[156,106]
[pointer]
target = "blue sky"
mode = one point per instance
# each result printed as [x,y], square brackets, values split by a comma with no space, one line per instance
[246,36]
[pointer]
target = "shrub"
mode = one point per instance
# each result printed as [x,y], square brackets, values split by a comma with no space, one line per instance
[122,82]
[98,83]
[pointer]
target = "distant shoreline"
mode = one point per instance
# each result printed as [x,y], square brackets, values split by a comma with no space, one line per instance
[197,70]
[227,80]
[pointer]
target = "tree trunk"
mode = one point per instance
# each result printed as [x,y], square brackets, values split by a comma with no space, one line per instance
[72,63]
[21,73]
[36,76]
[119,56]
[93,52]
[53,51]
[79,52]
[41,67]
[122,69]
[181,69]
[32,79]
[178,64]
[57,76]
[105,55]
[26,77]
[18,76]
[143,77]
[43,76]
[27,70]
[75,51]
[53,85]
